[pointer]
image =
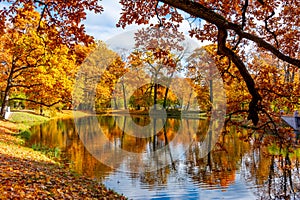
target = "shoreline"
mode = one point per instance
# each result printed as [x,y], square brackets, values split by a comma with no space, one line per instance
[26,173]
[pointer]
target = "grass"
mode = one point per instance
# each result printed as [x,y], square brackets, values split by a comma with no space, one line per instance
[27,118]
[25,134]
[53,153]
[70,114]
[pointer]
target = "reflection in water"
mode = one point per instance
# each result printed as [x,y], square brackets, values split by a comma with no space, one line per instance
[62,134]
[108,140]
[235,169]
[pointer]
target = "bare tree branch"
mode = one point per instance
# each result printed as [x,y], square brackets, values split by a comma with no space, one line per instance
[160,22]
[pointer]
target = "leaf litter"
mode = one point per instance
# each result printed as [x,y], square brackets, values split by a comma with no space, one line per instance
[29,174]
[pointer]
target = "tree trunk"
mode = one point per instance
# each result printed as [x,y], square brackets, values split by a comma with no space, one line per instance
[167,90]
[115,102]
[6,96]
[41,110]
[124,95]
[154,134]
[155,95]
[293,76]
[4,102]
[165,98]
[189,101]
[286,74]
[211,93]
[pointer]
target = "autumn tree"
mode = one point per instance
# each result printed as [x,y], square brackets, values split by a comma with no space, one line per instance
[143,97]
[206,66]
[106,87]
[29,66]
[160,53]
[54,80]
[67,15]
[278,91]
[97,77]
[31,29]
[205,77]
[270,26]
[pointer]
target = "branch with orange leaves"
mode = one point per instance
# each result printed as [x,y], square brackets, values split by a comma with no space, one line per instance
[200,11]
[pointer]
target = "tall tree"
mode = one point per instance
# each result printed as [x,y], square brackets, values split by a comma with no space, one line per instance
[159,51]
[31,31]
[97,77]
[30,66]
[269,76]
[234,25]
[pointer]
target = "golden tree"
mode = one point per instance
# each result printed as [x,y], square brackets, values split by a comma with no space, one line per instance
[30,65]
[234,25]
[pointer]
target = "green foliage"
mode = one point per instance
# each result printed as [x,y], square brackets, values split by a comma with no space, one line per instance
[27,118]
[25,134]
[16,104]
[274,149]
[53,111]
[53,153]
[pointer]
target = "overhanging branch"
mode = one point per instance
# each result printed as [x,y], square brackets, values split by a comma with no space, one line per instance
[200,11]
[223,50]
[36,102]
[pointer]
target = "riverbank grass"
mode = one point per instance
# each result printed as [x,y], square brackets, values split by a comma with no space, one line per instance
[27,118]
[29,174]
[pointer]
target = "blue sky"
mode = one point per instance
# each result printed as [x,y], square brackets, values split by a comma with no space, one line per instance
[103,26]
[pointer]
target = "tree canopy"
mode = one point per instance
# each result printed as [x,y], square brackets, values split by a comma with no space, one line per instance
[245,33]
[67,15]
[42,44]
[264,26]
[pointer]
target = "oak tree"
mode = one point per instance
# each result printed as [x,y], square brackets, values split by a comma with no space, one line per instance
[33,29]
[263,25]
[30,66]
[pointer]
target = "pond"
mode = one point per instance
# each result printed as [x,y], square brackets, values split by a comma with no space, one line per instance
[167,160]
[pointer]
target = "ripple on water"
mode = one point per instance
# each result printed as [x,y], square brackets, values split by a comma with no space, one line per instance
[177,188]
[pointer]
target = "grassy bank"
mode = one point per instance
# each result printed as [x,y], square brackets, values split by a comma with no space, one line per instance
[25,173]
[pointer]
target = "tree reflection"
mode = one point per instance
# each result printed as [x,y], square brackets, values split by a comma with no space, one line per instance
[269,165]
[62,134]
[275,172]
[219,167]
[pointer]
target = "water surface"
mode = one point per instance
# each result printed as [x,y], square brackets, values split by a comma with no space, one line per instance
[236,168]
